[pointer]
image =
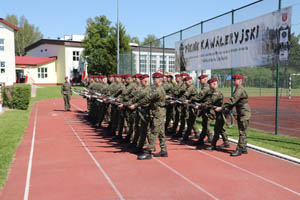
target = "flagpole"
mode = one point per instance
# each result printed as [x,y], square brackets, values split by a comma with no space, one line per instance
[118,35]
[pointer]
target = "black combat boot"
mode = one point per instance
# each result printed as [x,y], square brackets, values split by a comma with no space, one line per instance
[137,150]
[198,143]
[161,154]
[224,145]
[213,147]
[144,156]
[236,153]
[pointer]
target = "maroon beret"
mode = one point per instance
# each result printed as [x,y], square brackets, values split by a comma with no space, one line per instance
[144,76]
[212,80]
[178,75]
[111,75]
[157,75]
[118,75]
[202,76]
[187,78]
[184,74]
[126,75]
[237,76]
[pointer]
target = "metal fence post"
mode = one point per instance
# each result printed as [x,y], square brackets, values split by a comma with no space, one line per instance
[164,65]
[150,63]
[232,70]
[277,85]
[139,59]
[131,62]
[180,40]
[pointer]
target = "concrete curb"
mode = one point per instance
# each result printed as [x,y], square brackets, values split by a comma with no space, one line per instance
[270,152]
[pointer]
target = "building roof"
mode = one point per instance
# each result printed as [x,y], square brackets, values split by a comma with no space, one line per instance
[69,43]
[33,61]
[9,24]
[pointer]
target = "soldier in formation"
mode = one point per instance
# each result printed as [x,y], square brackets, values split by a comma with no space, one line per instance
[143,113]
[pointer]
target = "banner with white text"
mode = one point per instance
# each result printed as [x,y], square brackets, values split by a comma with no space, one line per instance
[256,42]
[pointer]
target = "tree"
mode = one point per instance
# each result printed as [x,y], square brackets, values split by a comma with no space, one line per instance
[100,45]
[151,39]
[26,35]
[135,40]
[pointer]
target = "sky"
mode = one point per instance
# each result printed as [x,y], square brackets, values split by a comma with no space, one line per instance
[56,18]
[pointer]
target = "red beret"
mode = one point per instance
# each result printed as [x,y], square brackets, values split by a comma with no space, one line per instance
[212,80]
[157,75]
[103,76]
[118,75]
[184,74]
[111,75]
[144,76]
[202,76]
[126,75]
[178,75]
[187,78]
[237,76]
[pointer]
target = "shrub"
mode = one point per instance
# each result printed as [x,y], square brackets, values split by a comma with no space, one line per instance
[17,96]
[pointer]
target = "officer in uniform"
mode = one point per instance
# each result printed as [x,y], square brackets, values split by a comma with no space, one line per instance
[156,100]
[239,100]
[66,91]
[169,87]
[216,98]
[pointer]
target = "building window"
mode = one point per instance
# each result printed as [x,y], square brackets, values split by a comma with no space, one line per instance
[171,63]
[153,64]
[75,55]
[42,72]
[162,62]
[143,64]
[1,44]
[2,67]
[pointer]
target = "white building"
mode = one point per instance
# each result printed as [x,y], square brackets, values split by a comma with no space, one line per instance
[148,61]
[7,52]
[67,51]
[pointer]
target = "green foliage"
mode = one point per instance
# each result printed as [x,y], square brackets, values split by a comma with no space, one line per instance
[151,39]
[17,96]
[135,40]
[26,35]
[100,45]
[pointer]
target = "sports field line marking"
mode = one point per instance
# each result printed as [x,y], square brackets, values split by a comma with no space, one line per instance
[26,193]
[186,179]
[96,162]
[249,172]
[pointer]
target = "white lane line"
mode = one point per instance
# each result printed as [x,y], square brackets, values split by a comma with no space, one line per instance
[26,193]
[249,172]
[186,179]
[96,162]
[173,170]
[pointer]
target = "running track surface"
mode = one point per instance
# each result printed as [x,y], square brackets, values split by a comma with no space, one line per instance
[61,157]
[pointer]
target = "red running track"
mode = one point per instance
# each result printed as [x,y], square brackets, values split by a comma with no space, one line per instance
[71,160]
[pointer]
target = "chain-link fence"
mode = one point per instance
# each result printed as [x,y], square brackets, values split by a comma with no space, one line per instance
[261,82]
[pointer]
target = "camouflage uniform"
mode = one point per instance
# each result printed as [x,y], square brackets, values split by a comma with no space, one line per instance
[66,91]
[216,98]
[126,113]
[240,101]
[190,93]
[169,87]
[180,111]
[200,98]
[142,125]
[156,100]
[116,92]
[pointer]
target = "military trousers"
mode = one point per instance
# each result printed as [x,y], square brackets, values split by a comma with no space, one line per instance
[67,99]
[177,109]
[219,130]
[191,124]
[242,126]
[205,128]
[157,131]
[169,115]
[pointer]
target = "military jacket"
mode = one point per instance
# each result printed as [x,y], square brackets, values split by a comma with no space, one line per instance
[127,92]
[190,92]
[202,95]
[66,89]
[156,101]
[179,89]
[240,101]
